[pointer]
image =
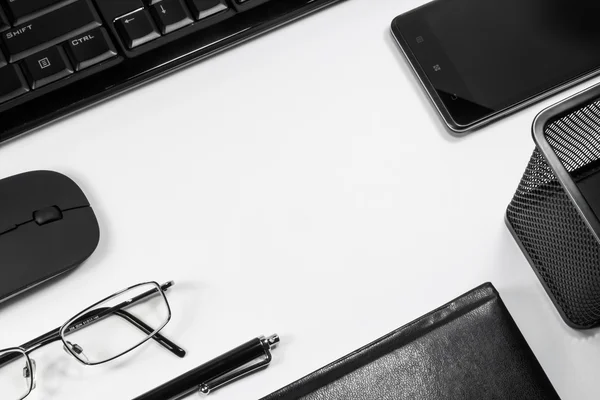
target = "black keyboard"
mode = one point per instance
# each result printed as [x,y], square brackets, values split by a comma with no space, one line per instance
[59,56]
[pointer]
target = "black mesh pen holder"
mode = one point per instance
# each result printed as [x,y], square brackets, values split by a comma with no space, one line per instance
[554,213]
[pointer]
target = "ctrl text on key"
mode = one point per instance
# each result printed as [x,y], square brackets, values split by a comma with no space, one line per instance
[78,41]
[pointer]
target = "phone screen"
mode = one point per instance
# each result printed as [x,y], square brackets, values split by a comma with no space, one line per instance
[493,54]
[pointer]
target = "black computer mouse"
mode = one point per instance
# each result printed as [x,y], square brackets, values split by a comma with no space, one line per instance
[47,227]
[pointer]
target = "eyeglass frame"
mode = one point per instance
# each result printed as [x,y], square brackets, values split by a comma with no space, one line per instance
[58,334]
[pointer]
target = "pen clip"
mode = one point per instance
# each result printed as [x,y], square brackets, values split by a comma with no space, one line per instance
[247,369]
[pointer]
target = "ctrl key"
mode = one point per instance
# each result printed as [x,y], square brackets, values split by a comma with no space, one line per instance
[90,48]
[12,83]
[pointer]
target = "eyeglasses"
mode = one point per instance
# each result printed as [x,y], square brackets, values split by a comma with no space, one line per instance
[101,333]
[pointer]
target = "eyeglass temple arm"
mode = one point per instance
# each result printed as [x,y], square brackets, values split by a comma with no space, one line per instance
[141,325]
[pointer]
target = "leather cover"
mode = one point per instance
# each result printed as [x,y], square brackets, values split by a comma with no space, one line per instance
[468,349]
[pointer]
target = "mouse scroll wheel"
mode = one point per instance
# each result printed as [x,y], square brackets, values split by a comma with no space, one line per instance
[47,215]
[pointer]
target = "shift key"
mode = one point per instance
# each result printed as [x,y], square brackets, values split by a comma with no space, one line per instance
[49,29]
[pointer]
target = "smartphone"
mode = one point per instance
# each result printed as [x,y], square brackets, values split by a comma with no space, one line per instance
[480,60]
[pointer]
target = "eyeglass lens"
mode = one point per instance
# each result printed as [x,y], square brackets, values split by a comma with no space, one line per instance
[116,325]
[16,375]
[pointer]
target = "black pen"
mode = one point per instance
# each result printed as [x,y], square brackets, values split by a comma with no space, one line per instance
[239,362]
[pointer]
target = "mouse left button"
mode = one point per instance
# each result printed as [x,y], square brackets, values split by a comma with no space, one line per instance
[47,215]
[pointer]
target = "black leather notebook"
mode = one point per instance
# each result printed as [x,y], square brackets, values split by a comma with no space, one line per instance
[469,348]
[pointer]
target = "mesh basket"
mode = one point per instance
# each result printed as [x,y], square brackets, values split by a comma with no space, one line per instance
[549,217]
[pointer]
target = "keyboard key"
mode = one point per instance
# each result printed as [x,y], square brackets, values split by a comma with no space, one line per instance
[171,15]
[207,8]
[90,48]
[112,9]
[12,83]
[2,59]
[25,10]
[47,66]
[49,29]
[137,29]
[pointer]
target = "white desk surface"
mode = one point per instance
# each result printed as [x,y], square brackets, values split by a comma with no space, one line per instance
[300,184]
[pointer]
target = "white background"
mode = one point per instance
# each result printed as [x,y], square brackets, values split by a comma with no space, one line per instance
[300,184]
